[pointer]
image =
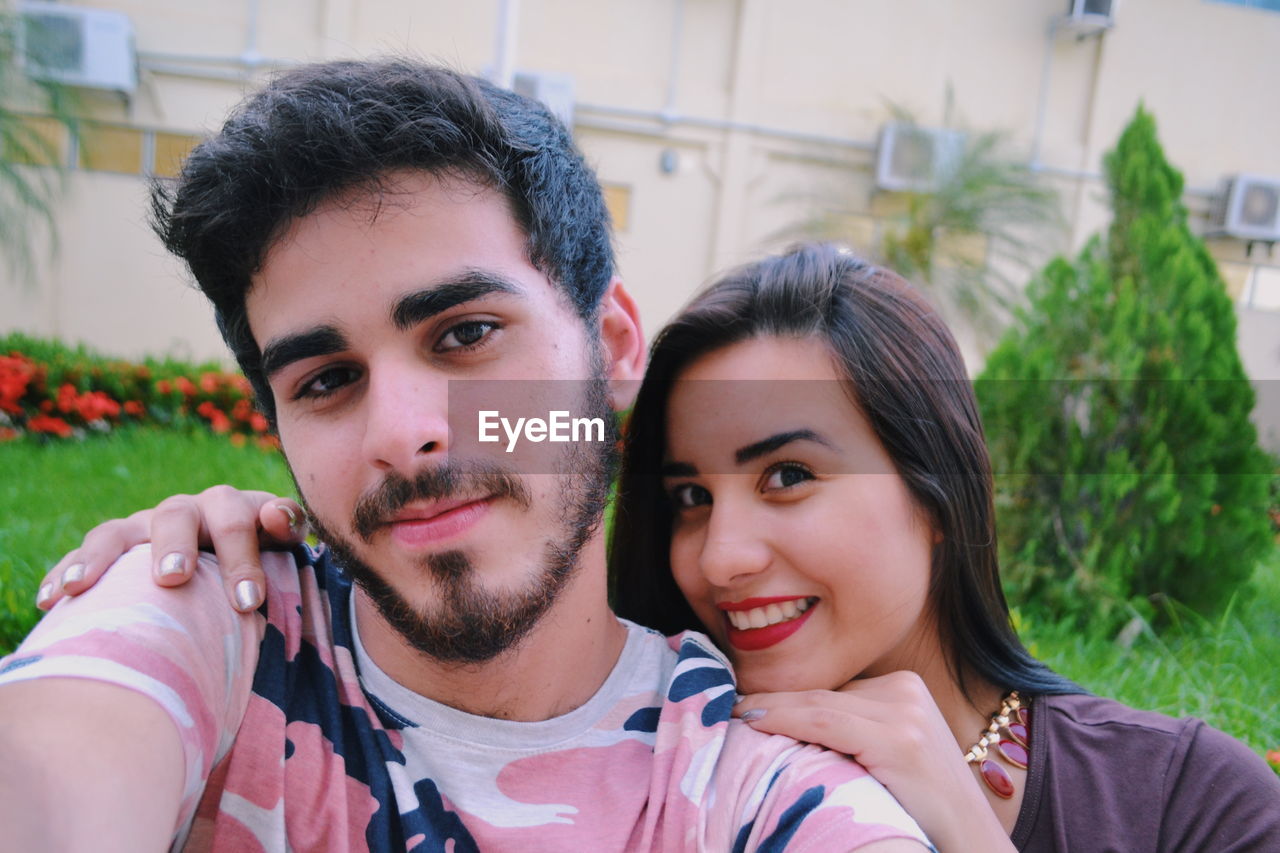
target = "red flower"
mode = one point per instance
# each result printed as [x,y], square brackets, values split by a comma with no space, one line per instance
[8,433]
[219,422]
[96,405]
[15,376]
[1273,758]
[238,439]
[134,408]
[242,410]
[66,398]
[258,422]
[207,410]
[185,385]
[208,382]
[52,425]
[163,386]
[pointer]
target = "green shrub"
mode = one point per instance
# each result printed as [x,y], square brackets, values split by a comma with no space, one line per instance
[1117,413]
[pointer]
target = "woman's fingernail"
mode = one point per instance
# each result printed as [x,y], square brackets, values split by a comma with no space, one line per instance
[73,574]
[752,715]
[172,564]
[45,593]
[295,521]
[248,596]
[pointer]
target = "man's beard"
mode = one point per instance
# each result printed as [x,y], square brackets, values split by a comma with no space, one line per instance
[469,623]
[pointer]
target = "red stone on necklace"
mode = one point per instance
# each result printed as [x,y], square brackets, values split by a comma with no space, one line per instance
[1008,739]
[1014,753]
[997,778]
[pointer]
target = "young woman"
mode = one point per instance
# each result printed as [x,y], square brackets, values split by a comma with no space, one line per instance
[806,479]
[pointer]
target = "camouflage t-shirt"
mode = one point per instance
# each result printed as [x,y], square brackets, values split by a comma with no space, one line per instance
[295,740]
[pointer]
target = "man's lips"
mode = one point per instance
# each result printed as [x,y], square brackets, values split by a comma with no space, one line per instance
[426,525]
[758,623]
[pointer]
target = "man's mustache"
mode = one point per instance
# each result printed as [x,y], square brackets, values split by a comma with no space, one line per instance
[447,481]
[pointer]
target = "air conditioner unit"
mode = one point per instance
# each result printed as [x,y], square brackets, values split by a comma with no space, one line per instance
[77,46]
[916,159]
[1086,17]
[555,91]
[1248,208]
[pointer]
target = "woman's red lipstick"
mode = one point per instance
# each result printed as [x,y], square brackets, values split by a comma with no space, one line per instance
[755,639]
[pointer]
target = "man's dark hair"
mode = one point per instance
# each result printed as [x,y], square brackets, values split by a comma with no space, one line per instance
[318,131]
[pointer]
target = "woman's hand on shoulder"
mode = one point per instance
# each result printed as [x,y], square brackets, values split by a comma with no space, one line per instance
[236,524]
[892,726]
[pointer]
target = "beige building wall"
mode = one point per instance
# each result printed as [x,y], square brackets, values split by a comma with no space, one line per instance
[717,126]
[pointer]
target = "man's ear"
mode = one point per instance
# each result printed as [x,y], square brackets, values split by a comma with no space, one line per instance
[623,340]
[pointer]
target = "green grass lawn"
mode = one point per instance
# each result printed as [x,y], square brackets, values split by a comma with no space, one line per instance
[50,495]
[1222,671]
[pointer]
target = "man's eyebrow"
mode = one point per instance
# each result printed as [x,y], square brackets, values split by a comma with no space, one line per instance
[283,351]
[413,308]
[757,449]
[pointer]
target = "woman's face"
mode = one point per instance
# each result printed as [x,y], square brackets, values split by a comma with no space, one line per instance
[794,539]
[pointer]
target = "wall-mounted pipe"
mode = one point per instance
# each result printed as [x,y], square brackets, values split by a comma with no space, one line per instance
[504,43]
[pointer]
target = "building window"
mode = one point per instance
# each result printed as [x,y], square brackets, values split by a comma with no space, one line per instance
[110,148]
[36,141]
[1269,5]
[617,197]
[170,150]
[96,146]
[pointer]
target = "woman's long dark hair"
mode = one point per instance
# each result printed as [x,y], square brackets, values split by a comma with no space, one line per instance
[906,376]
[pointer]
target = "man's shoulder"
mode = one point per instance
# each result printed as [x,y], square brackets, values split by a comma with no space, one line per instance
[754,788]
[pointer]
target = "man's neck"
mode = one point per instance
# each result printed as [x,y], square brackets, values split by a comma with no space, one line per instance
[557,667]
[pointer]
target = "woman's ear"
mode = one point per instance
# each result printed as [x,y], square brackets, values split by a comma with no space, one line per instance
[623,340]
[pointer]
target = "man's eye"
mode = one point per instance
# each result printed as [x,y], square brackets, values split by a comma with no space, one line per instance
[327,382]
[689,495]
[787,475]
[465,335]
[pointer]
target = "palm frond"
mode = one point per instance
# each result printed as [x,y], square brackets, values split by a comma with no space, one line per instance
[32,163]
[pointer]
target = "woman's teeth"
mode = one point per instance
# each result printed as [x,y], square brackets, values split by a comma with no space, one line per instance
[770,614]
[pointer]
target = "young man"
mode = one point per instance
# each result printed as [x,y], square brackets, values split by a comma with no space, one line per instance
[369,233]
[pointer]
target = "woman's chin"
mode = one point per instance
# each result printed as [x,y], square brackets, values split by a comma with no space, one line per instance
[768,680]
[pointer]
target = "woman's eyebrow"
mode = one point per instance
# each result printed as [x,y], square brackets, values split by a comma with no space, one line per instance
[755,450]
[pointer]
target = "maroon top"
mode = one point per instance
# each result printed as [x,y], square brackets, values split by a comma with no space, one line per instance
[1106,777]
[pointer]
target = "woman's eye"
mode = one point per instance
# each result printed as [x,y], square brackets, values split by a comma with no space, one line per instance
[786,476]
[689,495]
[465,335]
[327,382]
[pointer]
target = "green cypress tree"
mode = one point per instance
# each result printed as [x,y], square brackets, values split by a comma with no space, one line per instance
[1117,411]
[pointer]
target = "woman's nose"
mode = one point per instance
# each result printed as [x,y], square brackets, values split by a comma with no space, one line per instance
[733,549]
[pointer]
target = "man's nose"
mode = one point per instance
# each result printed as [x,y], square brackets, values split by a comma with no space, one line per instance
[406,418]
[733,549]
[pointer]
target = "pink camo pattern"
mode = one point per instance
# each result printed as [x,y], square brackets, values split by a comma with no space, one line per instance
[687,786]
